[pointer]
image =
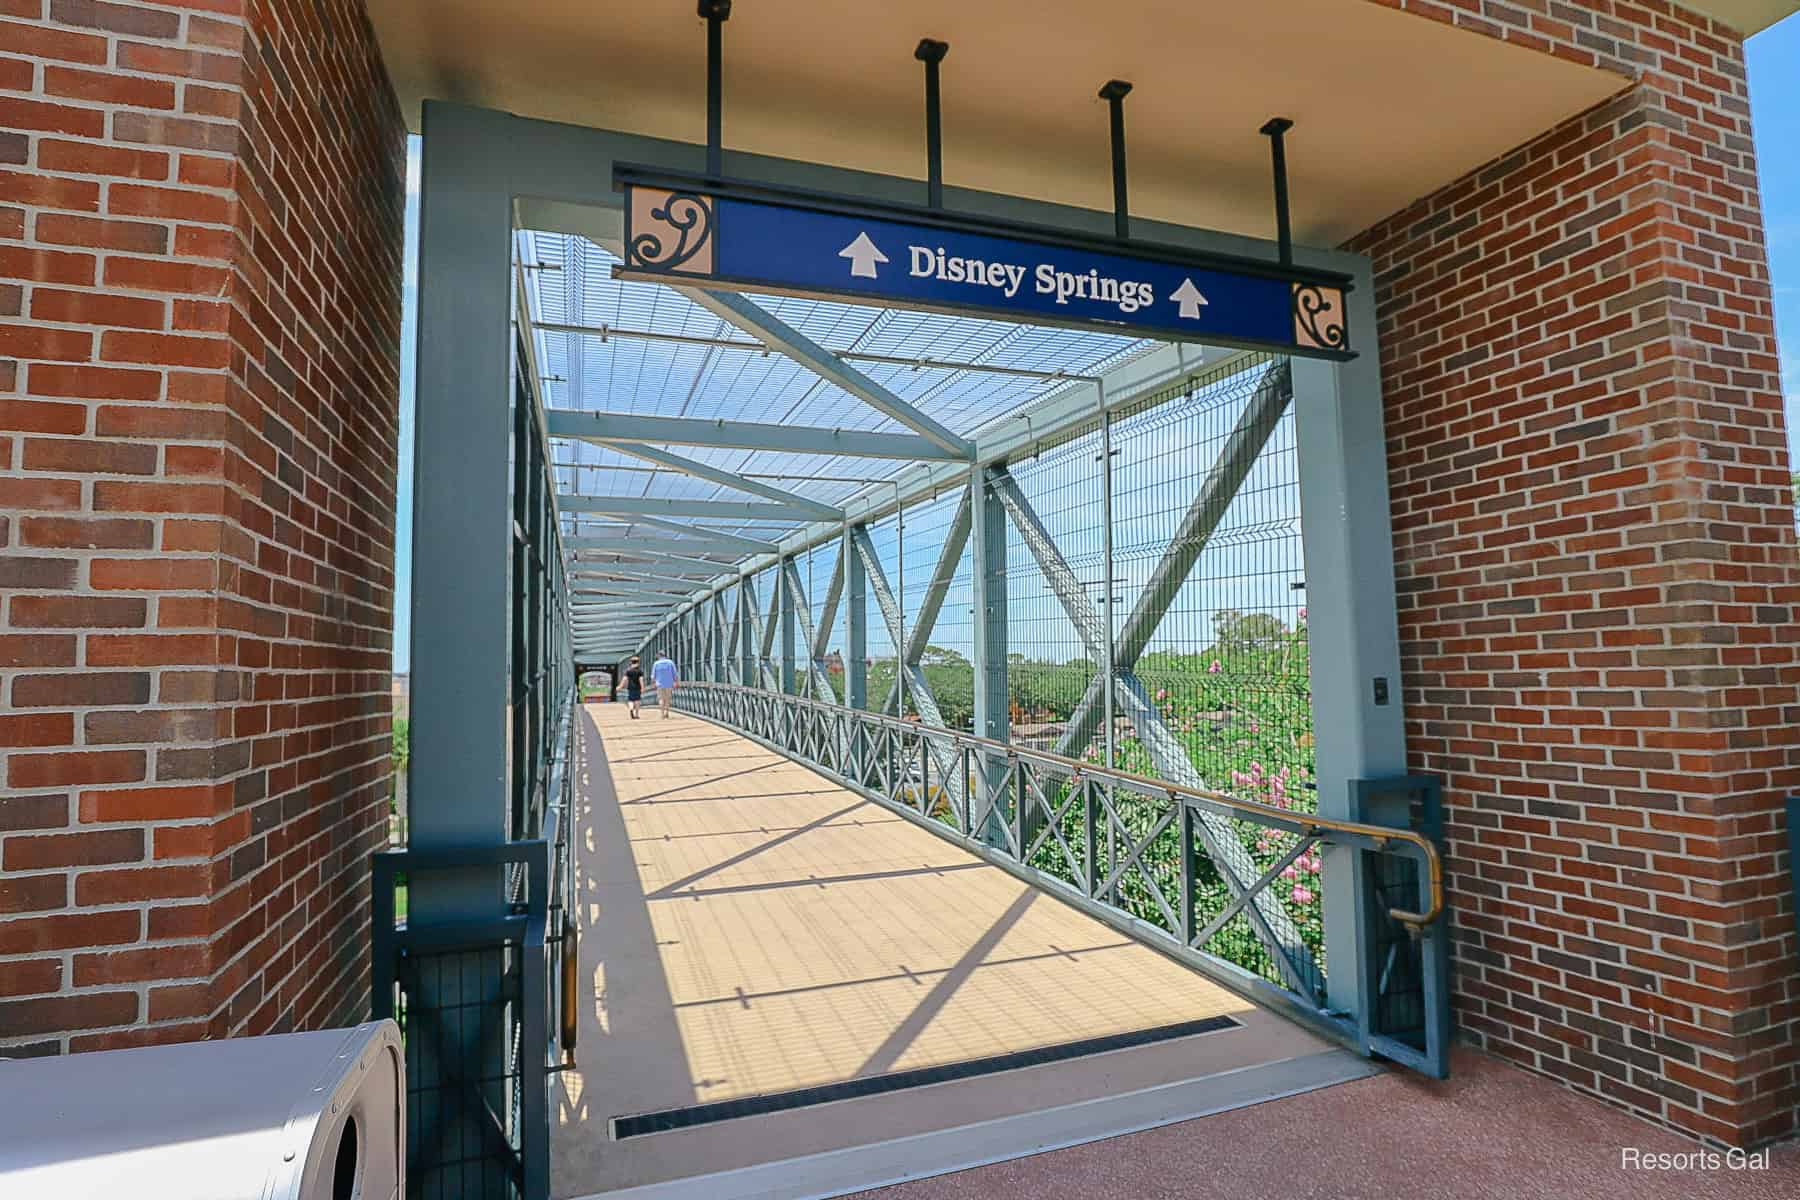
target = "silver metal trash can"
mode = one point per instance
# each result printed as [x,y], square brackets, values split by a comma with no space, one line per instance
[299,1116]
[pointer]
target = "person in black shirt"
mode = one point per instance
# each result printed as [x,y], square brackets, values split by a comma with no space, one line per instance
[634,685]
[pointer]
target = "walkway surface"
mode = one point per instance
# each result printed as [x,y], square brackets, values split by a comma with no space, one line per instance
[749,928]
[1489,1132]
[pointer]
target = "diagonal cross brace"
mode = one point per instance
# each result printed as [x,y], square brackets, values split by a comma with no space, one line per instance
[834,594]
[790,574]
[764,325]
[1274,927]
[929,712]
[918,639]
[763,632]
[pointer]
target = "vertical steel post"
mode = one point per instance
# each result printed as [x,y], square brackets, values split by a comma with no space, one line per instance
[987,536]
[1107,669]
[462,520]
[931,53]
[856,649]
[746,634]
[715,13]
[1106,597]
[785,639]
[1274,129]
[1114,94]
[900,604]
[1347,535]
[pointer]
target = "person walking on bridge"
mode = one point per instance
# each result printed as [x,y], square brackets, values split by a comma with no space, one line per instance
[634,684]
[664,675]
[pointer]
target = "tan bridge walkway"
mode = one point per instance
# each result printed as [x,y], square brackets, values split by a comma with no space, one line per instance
[749,928]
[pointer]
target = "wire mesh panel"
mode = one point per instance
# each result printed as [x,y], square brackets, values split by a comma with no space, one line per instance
[463,1073]
[1211,642]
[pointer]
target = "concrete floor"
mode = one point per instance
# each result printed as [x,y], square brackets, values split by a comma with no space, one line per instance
[748,927]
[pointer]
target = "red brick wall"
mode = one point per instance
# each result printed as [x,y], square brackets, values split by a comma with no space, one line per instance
[200,238]
[1596,560]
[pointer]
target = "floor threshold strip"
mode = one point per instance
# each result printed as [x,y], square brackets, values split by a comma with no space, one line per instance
[851,1089]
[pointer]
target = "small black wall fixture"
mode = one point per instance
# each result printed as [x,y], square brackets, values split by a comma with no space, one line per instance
[1793,816]
[931,53]
[1273,129]
[1114,94]
[715,13]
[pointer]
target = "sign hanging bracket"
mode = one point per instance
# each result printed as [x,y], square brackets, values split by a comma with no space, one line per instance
[931,53]
[1274,129]
[1114,93]
[715,13]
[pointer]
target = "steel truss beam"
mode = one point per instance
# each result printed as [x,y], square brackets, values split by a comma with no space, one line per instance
[602,587]
[609,427]
[608,332]
[759,322]
[700,470]
[643,547]
[632,506]
[654,572]
[695,533]
[645,559]
[1274,927]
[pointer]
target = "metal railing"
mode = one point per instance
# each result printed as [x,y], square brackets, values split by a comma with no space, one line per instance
[483,1005]
[1134,851]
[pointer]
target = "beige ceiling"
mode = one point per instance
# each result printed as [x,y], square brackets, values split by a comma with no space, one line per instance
[1745,16]
[1388,106]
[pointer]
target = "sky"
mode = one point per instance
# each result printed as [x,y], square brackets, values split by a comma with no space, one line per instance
[1774,62]
[1773,59]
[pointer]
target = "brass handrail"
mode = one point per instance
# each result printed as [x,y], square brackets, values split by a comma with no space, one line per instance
[1379,834]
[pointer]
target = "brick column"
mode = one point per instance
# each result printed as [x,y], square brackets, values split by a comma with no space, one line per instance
[1596,561]
[200,238]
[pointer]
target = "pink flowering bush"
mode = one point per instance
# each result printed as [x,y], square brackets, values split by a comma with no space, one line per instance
[1241,709]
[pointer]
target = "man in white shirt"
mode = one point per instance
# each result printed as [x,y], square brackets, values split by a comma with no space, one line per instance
[664,676]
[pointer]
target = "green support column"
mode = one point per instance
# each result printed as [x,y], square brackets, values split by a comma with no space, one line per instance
[746,632]
[987,540]
[785,638]
[1352,624]
[856,625]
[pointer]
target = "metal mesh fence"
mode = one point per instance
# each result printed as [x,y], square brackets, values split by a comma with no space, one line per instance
[1211,638]
[463,1091]
[1209,647]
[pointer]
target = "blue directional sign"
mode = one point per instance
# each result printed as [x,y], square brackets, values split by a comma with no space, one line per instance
[761,239]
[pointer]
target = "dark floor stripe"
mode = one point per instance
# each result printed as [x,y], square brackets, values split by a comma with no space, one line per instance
[850,1089]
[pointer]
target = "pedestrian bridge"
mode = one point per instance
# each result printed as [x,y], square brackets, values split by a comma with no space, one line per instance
[1037,749]
[787,980]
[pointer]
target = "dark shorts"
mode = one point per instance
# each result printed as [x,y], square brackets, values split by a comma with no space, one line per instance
[632,693]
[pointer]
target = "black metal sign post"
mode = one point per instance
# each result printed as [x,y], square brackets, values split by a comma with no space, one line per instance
[932,53]
[712,231]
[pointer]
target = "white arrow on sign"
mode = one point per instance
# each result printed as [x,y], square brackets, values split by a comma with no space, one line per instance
[1189,298]
[863,255]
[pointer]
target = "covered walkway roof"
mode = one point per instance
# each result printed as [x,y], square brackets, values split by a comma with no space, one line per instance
[658,498]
